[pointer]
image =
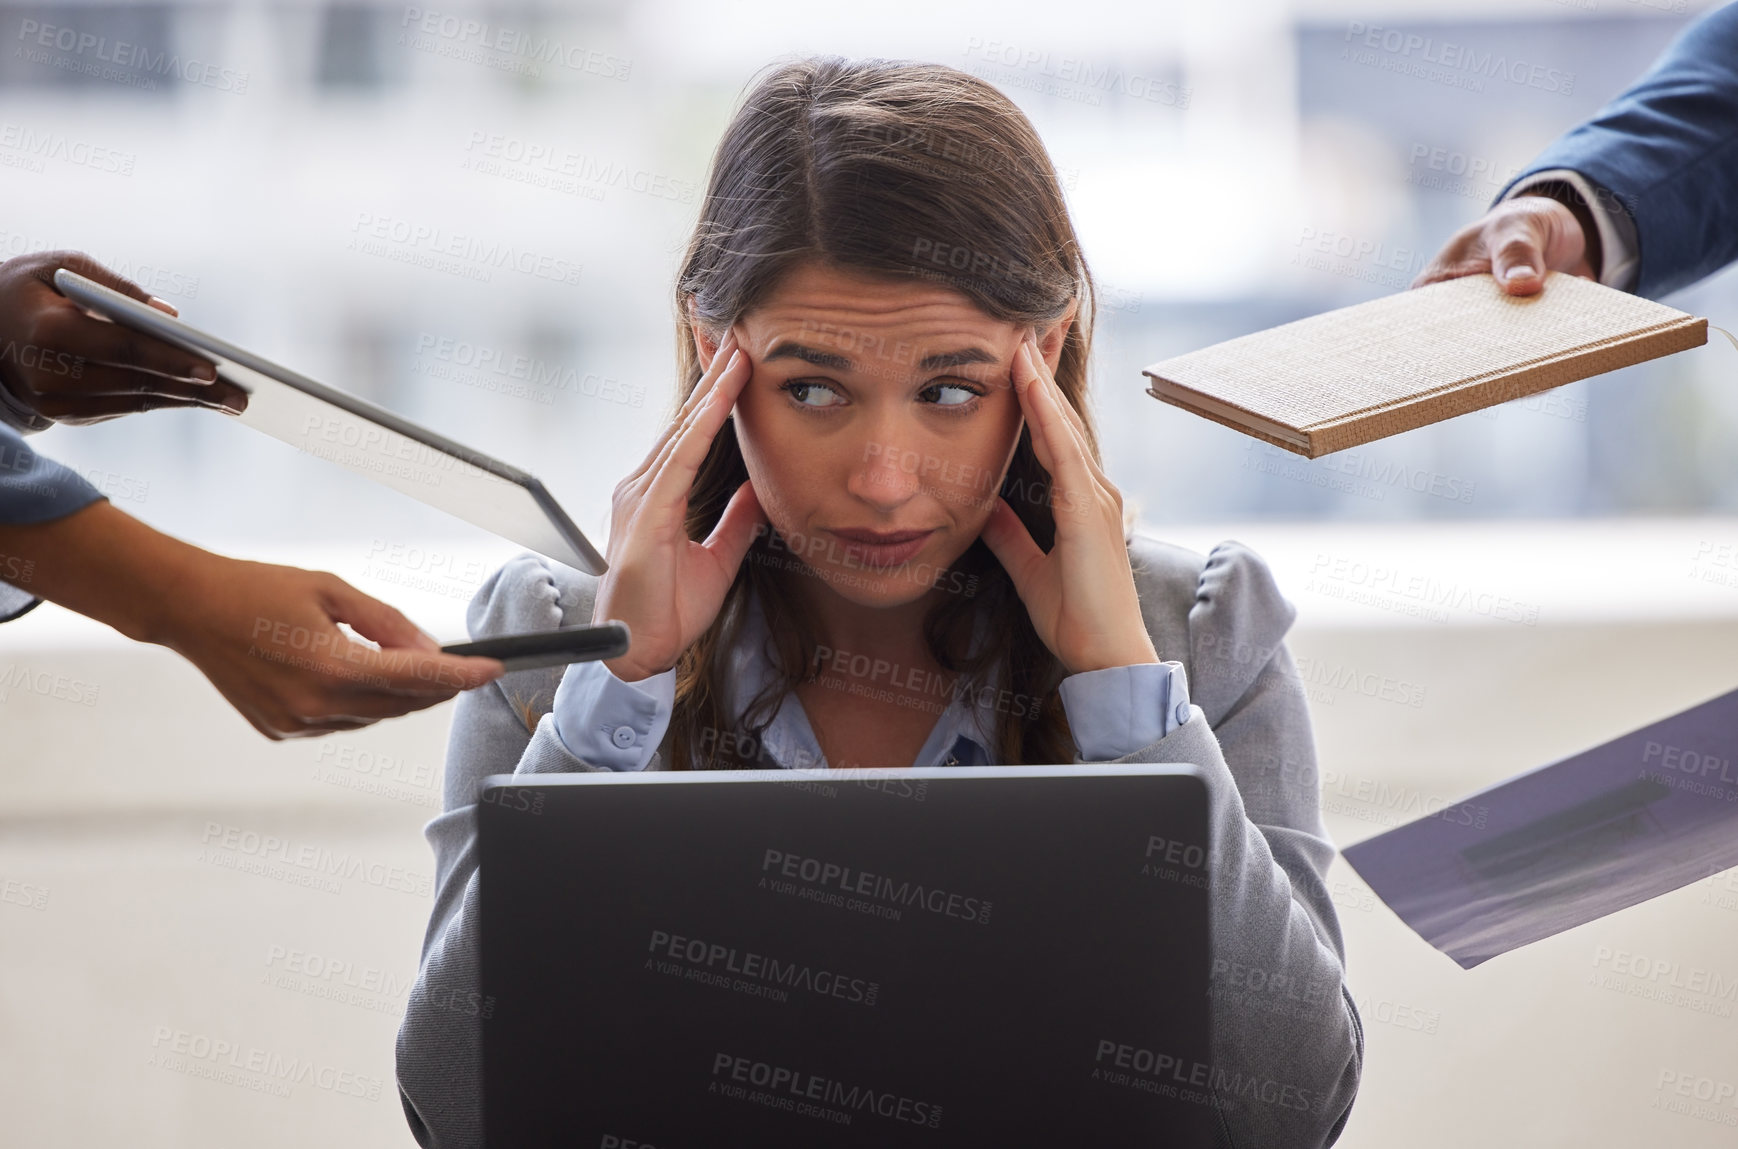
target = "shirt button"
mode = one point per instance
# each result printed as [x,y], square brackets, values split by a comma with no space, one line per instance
[623,737]
[1182,713]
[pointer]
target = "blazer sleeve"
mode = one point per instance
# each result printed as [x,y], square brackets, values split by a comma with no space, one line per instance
[1666,150]
[1288,1045]
[439,1051]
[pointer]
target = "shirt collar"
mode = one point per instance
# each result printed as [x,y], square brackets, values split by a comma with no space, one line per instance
[964,731]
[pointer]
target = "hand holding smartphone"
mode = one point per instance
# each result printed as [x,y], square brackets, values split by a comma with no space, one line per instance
[550,647]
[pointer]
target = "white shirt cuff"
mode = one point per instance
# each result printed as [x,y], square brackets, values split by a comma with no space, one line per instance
[606,722]
[1618,256]
[1118,710]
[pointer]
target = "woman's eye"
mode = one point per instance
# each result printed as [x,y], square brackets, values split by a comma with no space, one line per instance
[817,396]
[961,394]
[802,390]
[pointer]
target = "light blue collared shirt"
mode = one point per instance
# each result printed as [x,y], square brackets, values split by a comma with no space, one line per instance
[618,725]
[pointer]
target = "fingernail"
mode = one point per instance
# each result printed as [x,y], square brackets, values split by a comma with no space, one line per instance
[205,373]
[1520,272]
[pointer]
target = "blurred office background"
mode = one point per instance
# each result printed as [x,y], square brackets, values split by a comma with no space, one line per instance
[318,182]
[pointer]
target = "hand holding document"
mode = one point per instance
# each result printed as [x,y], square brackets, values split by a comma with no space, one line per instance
[1375,369]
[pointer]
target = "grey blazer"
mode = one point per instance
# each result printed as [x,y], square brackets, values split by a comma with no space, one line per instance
[1288,1044]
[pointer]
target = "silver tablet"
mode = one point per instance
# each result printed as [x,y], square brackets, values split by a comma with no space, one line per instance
[362,437]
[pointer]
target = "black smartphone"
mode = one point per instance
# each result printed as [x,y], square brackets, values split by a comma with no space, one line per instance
[550,647]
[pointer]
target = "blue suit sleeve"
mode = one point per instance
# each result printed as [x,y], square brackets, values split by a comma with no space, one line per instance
[1667,151]
[32,490]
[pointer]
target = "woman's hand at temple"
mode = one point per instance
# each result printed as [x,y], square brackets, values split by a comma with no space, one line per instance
[666,587]
[63,365]
[1081,596]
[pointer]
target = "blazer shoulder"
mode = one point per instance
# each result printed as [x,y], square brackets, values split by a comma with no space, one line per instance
[530,593]
[1164,571]
[1221,615]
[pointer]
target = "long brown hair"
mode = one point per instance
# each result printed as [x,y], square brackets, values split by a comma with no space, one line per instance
[900,169]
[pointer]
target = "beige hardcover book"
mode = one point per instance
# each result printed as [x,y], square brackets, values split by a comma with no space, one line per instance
[1376,369]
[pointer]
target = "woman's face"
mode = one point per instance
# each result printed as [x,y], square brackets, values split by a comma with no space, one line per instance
[878,406]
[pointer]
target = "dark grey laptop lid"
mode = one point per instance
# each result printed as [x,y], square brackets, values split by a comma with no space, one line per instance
[985,956]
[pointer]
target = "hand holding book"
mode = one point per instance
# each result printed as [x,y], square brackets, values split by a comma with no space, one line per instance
[1347,377]
[1518,241]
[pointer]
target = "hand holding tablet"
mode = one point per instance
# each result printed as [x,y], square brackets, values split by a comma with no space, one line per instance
[270,638]
[362,437]
[59,364]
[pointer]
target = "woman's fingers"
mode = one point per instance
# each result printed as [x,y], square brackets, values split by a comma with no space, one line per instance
[668,493]
[1062,453]
[668,585]
[1025,379]
[1011,543]
[736,529]
[708,378]
[1071,417]
[679,430]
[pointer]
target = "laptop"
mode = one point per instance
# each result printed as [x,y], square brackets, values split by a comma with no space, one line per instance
[362,437]
[942,957]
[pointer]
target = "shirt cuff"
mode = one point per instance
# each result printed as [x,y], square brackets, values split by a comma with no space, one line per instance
[1616,228]
[21,418]
[606,722]
[15,603]
[1120,709]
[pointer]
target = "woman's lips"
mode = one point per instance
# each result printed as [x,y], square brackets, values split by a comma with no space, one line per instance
[888,554]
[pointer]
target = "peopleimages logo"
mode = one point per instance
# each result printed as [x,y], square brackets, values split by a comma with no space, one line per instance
[1457,65]
[714,963]
[789,1088]
[128,60]
[250,1067]
[238,848]
[48,145]
[821,880]
[1151,1071]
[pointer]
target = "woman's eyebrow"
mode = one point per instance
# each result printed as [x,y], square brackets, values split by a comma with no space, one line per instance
[808,355]
[832,359]
[957,358]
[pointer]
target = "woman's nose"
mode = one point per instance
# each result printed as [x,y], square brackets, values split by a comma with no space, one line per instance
[885,474]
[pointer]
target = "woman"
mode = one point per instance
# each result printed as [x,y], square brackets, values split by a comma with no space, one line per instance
[911,556]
